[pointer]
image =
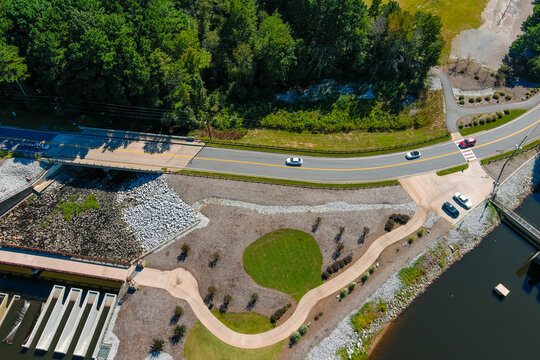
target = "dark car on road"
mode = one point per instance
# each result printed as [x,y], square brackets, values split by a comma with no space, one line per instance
[450,209]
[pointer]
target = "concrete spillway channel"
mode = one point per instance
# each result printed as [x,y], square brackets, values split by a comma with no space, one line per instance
[56,295]
[54,321]
[109,302]
[72,322]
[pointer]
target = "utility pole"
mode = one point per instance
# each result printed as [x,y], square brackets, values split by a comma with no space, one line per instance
[496,184]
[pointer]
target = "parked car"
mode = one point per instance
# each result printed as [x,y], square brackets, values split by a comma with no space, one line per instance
[415,154]
[468,142]
[450,209]
[463,200]
[294,161]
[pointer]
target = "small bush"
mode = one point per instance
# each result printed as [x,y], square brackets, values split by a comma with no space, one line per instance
[340,246]
[478,99]
[212,290]
[482,122]
[279,313]
[178,311]
[487,98]
[185,249]
[179,331]
[420,232]
[254,297]
[401,219]
[364,277]
[352,286]
[461,102]
[343,293]
[411,239]
[488,119]
[476,77]
[460,125]
[295,336]
[303,329]
[157,345]
[389,225]
[508,97]
[494,118]
[507,111]
[372,269]
[325,275]
[471,100]
[502,93]
[499,114]
[461,97]
[496,96]
[227,299]
[475,123]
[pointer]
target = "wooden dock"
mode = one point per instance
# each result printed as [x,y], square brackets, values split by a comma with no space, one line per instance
[519,224]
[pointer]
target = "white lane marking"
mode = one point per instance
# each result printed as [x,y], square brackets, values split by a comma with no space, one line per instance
[467,153]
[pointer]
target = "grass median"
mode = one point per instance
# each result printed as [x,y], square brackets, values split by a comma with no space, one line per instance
[491,125]
[508,153]
[273,261]
[453,169]
[285,182]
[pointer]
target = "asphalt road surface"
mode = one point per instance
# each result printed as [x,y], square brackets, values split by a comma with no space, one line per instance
[324,169]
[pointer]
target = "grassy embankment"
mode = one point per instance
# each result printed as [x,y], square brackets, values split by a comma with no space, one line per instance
[201,344]
[487,126]
[453,169]
[273,262]
[508,153]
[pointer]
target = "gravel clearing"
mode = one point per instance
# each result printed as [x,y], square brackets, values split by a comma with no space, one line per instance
[14,171]
[463,236]
[153,211]
[330,207]
[473,93]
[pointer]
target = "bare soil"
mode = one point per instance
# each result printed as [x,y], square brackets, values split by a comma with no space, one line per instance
[463,73]
[40,223]
[192,189]
[145,315]
[494,168]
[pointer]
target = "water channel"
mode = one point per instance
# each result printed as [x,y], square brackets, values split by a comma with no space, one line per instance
[459,316]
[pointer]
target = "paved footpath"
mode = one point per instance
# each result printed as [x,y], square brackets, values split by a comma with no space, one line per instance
[180,283]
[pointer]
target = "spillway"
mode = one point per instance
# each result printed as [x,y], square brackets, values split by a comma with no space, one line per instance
[72,322]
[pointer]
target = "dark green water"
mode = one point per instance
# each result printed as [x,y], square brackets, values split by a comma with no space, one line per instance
[459,317]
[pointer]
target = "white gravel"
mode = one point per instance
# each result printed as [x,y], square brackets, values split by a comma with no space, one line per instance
[329,207]
[153,211]
[13,173]
[431,219]
[465,235]
[434,83]
[473,93]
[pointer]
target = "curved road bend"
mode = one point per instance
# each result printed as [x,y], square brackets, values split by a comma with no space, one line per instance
[181,284]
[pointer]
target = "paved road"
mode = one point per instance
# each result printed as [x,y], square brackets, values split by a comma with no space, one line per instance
[453,111]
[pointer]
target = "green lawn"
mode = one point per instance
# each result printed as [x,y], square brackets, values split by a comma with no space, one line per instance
[286,260]
[201,344]
[456,16]
[453,169]
[506,118]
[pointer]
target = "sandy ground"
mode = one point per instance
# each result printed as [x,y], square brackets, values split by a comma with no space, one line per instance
[192,189]
[501,25]
[146,315]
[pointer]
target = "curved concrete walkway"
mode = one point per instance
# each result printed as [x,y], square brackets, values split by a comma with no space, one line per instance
[453,111]
[182,284]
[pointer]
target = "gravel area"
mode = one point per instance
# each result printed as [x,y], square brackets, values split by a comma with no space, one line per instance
[14,171]
[494,168]
[463,236]
[153,211]
[192,189]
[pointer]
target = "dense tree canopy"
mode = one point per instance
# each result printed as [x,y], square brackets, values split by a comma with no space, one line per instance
[196,57]
[525,51]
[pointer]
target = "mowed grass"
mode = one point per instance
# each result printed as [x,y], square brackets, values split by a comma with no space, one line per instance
[487,126]
[201,344]
[456,16]
[453,169]
[286,260]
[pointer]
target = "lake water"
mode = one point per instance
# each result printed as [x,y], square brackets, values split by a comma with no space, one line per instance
[459,316]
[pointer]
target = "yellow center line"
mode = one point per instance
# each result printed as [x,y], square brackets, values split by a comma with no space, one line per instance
[285,166]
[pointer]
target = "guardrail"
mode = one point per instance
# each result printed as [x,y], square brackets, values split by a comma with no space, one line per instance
[320,151]
[125,264]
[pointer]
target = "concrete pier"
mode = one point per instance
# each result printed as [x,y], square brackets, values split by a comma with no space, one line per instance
[55,294]
[75,295]
[54,321]
[90,326]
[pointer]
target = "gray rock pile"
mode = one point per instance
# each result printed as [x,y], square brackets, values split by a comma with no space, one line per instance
[153,211]
[13,174]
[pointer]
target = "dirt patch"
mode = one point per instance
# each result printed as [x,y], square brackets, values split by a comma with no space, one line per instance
[192,189]
[146,315]
[232,229]
[391,260]
[469,76]
[494,168]
[58,220]
[489,44]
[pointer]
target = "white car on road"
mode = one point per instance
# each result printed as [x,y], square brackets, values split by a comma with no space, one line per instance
[415,154]
[463,200]
[294,161]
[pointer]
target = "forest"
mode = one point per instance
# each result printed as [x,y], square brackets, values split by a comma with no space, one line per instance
[219,62]
[525,51]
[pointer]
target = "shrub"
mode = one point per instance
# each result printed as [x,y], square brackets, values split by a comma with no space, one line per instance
[212,290]
[471,100]
[185,249]
[295,336]
[478,99]
[461,102]
[381,306]
[487,98]
[502,93]
[227,299]
[340,246]
[254,297]
[401,219]
[499,114]
[488,119]
[496,96]
[365,231]
[364,277]
[482,122]
[461,97]
[179,331]
[325,275]
[389,225]
[411,239]
[508,97]
[352,286]
[460,125]
[372,269]
[341,230]
[476,77]
[494,118]
[420,232]
[507,111]
[343,293]
[336,266]
[475,123]
[157,345]
[279,313]
[303,329]
[178,311]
